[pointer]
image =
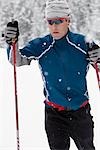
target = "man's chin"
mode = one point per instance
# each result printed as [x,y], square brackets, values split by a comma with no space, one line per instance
[57,37]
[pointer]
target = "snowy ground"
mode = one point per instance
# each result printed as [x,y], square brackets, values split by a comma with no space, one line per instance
[31,107]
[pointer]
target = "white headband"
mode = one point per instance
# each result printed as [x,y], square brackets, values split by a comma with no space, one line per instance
[56,8]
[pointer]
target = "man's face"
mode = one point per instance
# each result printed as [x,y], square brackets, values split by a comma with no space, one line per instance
[58,27]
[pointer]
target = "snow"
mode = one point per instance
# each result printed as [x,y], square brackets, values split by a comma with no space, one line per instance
[31,107]
[59,80]
[46,73]
[85,19]
[68,88]
[78,73]
[69,99]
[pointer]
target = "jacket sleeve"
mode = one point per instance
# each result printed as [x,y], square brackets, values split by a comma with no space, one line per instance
[24,56]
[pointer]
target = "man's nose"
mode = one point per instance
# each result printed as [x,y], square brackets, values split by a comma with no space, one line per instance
[54,26]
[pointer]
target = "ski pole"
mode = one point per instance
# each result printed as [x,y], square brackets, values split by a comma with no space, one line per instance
[16,97]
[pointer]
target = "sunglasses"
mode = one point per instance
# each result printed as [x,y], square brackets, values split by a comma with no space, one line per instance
[55,21]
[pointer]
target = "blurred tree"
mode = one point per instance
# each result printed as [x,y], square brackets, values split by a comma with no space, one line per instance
[30,15]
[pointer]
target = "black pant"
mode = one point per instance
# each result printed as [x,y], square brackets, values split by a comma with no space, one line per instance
[61,125]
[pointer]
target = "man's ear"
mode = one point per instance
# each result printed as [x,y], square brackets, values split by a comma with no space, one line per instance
[68,20]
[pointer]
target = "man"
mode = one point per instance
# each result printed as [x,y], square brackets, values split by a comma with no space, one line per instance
[64,58]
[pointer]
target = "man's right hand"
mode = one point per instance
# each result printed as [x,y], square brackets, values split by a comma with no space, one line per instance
[11,32]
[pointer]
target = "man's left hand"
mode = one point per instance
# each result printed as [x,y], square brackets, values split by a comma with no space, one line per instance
[94,56]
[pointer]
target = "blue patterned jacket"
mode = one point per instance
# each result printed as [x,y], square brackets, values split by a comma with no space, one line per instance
[63,65]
